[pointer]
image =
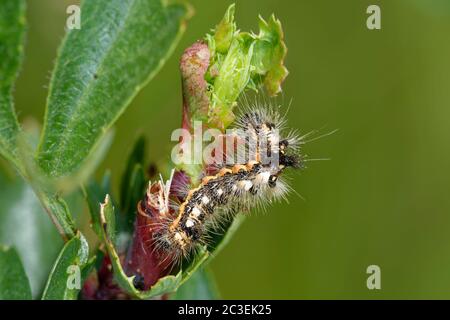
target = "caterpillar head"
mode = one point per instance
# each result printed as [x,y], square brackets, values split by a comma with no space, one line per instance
[288,157]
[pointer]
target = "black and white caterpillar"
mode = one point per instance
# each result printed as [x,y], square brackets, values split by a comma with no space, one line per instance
[184,225]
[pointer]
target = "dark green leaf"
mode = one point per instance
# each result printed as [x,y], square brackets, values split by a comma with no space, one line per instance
[132,186]
[13,280]
[135,193]
[108,220]
[136,157]
[101,67]
[12,32]
[65,280]
[26,226]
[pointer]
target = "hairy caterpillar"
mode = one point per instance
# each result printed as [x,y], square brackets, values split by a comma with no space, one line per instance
[184,224]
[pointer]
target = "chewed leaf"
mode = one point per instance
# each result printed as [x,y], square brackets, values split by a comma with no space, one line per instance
[225,31]
[164,285]
[239,61]
[234,75]
[108,219]
[94,194]
[269,54]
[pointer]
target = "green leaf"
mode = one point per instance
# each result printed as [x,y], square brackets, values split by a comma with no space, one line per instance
[234,75]
[132,186]
[200,286]
[121,45]
[25,226]
[65,280]
[136,157]
[13,280]
[269,54]
[108,220]
[135,193]
[240,61]
[225,31]
[12,33]
[69,183]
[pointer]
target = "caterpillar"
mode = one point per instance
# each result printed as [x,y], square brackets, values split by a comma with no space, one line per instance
[184,223]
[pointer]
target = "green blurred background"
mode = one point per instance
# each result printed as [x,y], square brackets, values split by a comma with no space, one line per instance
[382,199]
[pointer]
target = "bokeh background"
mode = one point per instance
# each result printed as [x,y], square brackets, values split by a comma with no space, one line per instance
[382,199]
